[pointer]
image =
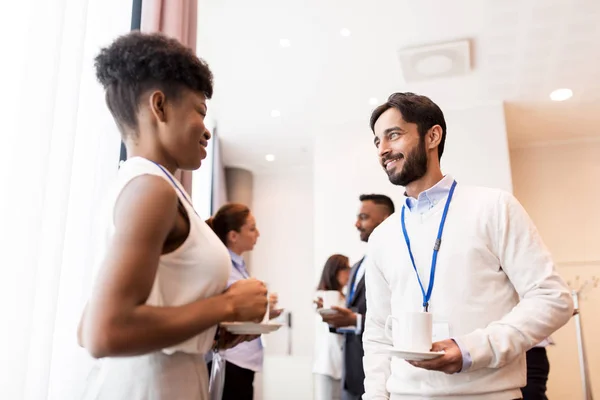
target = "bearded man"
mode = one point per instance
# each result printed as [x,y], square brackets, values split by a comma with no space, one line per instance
[469,256]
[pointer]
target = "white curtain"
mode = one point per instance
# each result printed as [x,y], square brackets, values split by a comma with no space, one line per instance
[59,150]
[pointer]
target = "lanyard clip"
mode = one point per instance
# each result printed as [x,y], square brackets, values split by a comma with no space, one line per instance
[426,307]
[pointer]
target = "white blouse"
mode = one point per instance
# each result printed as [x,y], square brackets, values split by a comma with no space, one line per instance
[328,357]
[198,269]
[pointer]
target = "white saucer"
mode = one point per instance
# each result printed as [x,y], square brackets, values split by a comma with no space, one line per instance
[409,355]
[326,311]
[250,328]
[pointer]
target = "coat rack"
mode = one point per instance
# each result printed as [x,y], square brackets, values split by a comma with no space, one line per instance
[577,289]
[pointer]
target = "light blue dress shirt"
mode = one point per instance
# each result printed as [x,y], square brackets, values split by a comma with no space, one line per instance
[248,355]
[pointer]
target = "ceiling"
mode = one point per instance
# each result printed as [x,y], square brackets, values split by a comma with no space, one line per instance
[520,51]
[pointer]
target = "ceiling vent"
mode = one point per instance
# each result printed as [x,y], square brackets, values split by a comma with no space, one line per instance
[435,61]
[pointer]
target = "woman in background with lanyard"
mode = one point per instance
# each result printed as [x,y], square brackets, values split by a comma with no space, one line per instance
[235,225]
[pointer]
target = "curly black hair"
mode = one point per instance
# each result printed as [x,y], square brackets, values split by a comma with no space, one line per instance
[137,62]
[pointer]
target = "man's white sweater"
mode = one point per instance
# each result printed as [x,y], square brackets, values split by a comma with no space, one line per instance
[491,255]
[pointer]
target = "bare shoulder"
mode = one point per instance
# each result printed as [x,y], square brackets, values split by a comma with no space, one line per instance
[144,216]
[147,200]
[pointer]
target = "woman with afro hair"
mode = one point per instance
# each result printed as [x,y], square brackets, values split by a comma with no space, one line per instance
[160,286]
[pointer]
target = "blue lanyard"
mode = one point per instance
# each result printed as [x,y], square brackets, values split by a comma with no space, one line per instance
[436,249]
[176,185]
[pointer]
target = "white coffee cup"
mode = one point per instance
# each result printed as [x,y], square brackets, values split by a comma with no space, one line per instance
[330,298]
[410,330]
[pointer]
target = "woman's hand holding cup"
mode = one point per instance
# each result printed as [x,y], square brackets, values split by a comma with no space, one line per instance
[248,300]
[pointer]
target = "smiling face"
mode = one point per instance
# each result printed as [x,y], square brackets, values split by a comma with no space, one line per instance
[181,130]
[402,151]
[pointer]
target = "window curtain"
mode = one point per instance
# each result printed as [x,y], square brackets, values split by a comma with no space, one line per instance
[177,19]
[59,151]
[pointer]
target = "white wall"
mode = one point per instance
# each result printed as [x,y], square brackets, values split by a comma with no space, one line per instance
[346,165]
[559,185]
[283,257]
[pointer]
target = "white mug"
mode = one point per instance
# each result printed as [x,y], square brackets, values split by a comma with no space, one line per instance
[330,298]
[410,330]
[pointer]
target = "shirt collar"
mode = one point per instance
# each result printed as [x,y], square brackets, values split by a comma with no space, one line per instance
[430,197]
[236,258]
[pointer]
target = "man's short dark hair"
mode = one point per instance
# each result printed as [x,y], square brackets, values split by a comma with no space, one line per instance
[379,199]
[415,109]
[137,62]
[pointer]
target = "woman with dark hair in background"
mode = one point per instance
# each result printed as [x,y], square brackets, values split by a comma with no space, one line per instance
[336,273]
[235,225]
[328,363]
[160,285]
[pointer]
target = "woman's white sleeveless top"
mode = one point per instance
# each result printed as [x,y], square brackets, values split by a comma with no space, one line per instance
[198,269]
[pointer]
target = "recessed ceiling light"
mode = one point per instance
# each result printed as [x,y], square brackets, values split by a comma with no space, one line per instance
[270,157]
[373,101]
[345,32]
[561,94]
[275,113]
[285,42]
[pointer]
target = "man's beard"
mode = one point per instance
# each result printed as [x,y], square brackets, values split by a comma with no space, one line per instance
[414,168]
[364,235]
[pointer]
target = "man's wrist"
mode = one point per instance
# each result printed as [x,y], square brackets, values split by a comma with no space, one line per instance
[359,323]
[467,361]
